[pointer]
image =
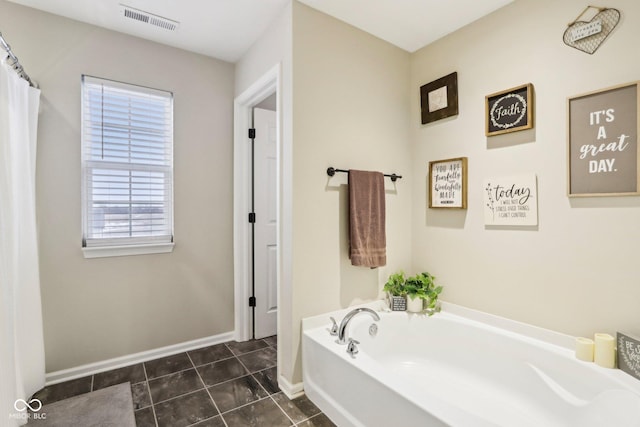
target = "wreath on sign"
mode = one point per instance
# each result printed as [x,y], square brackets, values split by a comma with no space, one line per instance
[632,359]
[511,124]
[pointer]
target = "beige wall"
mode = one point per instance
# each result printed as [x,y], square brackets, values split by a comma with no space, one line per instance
[273,46]
[350,110]
[577,272]
[337,71]
[96,309]
[271,49]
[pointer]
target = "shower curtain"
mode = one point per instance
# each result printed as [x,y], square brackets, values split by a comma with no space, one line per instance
[21,340]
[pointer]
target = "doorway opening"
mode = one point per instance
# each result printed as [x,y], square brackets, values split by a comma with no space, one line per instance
[256,212]
[264,219]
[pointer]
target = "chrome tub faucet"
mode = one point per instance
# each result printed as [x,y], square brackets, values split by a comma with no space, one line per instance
[344,325]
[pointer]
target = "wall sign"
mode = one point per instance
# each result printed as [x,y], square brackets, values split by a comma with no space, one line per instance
[511,200]
[448,183]
[603,142]
[439,98]
[587,36]
[629,355]
[509,111]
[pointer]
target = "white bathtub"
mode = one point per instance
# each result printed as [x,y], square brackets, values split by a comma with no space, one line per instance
[460,368]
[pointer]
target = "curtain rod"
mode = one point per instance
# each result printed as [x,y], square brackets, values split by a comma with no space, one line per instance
[332,171]
[16,64]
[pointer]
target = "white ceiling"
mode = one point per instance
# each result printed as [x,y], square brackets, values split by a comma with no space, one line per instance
[225,29]
[408,24]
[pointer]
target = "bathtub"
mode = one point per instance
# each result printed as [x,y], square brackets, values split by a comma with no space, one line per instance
[459,367]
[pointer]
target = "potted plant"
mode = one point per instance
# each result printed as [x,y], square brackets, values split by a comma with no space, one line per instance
[422,293]
[395,288]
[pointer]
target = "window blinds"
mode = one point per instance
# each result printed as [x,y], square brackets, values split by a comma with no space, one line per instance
[127,159]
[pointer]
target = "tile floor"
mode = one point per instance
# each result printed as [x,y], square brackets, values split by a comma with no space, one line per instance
[231,384]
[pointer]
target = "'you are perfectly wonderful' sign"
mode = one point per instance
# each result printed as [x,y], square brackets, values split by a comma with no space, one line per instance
[448,183]
[603,142]
[511,200]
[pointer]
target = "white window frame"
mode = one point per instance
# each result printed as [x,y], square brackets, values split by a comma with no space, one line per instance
[97,247]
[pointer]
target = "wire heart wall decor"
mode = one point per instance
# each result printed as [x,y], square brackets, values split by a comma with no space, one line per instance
[587,36]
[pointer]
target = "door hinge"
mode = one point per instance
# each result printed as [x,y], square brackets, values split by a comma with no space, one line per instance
[252,301]
[252,133]
[252,217]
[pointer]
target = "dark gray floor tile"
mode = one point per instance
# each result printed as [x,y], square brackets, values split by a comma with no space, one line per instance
[64,390]
[133,374]
[180,399]
[145,418]
[259,359]
[232,394]
[223,370]
[140,394]
[210,354]
[268,378]
[298,409]
[185,410]
[238,348]
[320,420]
[174,385]
[259,414]
[211,422]
[271,341]
[167,365]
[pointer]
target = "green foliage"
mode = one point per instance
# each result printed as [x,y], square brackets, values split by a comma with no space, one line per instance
[419,286]
[395,285]
[422,286]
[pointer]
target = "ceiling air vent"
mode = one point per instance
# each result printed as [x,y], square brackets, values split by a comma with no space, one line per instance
[148,18]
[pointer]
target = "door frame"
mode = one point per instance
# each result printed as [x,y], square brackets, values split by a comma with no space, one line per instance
[243,106]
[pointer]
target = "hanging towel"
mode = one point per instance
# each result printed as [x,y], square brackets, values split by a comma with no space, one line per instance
[367,237]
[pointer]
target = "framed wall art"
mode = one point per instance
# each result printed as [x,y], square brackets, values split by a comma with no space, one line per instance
[509,110]
[511,200]
[602,144]
[439,98]
[448,183]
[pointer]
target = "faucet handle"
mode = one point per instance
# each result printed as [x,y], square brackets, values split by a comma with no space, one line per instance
[334,327]
[352,348]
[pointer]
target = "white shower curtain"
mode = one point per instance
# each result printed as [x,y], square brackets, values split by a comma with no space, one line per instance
[21,340]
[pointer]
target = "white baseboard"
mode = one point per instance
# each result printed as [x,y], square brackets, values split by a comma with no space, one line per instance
[131,359]
[290,390]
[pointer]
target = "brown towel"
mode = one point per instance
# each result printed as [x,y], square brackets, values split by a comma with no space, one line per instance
[367,219]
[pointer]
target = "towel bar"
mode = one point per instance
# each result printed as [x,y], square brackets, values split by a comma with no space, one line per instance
[331,171]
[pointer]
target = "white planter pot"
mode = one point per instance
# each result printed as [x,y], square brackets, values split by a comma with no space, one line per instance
[415,305]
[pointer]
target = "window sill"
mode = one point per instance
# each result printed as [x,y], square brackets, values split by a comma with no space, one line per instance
[127,250]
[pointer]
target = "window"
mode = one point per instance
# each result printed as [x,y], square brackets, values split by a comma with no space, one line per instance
[127,169]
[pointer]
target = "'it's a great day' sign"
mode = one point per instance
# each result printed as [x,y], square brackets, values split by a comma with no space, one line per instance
[603,142]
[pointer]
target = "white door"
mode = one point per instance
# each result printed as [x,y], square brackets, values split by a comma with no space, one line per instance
[265,203]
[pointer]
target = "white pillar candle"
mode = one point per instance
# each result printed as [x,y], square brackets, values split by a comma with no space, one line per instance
[584,349]
[605,351]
